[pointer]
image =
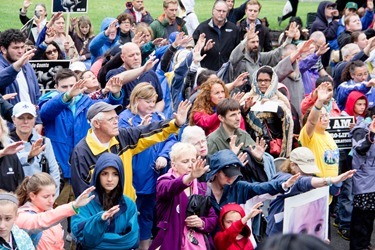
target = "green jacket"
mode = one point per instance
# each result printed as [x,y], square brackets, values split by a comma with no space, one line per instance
[159,26]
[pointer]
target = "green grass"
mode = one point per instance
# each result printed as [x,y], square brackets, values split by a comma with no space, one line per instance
[99,9]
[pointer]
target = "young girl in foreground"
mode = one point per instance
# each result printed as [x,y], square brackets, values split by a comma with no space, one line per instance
[11,237]
[36,214]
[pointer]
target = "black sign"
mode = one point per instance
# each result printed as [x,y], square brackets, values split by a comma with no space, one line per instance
[339,130]
[71,6]
[45,71]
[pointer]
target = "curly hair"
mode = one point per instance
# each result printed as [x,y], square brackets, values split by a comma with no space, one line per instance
[349,69]
[11,36]
[203,102]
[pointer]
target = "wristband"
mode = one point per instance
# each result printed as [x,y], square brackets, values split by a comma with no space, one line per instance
[328,181]
[76,209]
[316,108]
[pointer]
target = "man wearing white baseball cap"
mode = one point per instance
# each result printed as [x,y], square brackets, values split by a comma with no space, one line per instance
[37,154]
[301,161]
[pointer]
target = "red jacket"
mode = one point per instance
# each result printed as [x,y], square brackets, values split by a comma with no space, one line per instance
[226,238]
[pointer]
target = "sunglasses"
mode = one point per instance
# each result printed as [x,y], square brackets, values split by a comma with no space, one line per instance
[50,52]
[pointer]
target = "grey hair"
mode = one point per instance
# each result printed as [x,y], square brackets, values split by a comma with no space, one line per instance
[345,51]
[98,116]
[190,131]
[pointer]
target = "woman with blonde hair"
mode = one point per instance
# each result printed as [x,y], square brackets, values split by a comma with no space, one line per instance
[36,214]
[203,112]
[152,161]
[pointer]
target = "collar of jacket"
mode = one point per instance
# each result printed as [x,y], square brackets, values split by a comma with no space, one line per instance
[97,148]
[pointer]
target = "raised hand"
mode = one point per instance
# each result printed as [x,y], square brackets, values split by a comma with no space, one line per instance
[255,210]
[199,168]
[238,96]
[151,62]
[139,38]
[258,151]
[209,45]
[324,94]
[181,40]
[12,148]
[241,79]
[232,144]
[293,29]
[26,4]
[182,111]
[322,49]
[17,65]
[84,198]
[36,148]
[112,28]
[114,85]
[197,56]
[50,35]
[110,212]
[290,182]
[343,176]
[54,17]
[78,88]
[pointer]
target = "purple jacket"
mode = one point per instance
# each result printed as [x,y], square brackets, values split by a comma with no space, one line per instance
[309,72]
[171,204]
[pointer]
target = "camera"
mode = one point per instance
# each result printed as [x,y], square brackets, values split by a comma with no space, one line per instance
[37,13]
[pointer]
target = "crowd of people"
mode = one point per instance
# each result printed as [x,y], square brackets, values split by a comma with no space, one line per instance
[163,128]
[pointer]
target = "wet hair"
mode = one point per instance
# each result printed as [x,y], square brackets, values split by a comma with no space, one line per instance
[11,36]
[64,74]
[143,90]
[293,242]
[203,101]
[60,55]
[84,20]
[228,104]
[350,69]
[110,199]
[33,184]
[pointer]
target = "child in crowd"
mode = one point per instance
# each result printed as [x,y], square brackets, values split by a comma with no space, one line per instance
[11,237]
[36,215]
[235,232]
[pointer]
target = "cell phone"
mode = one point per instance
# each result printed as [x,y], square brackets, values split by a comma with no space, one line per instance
[37,13]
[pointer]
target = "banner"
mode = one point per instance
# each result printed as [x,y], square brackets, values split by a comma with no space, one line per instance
[45,71]
[339,130]
[71,6]
[307,213]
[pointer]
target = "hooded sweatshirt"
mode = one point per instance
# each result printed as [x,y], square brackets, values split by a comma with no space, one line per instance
[226,238]
[350,103]
[119,232]
[101,43]
[328,27]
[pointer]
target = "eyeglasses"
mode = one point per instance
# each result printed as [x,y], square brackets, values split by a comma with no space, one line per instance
[264,80]
[125,22]
[50,52]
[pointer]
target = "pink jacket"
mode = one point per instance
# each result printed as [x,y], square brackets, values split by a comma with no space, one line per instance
[48,221]
[209,123]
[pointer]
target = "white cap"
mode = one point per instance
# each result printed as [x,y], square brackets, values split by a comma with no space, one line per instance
[24,108]
[78,66]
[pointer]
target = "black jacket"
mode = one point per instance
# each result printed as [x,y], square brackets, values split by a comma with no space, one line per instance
[265,42]
[226,39]
[11,172]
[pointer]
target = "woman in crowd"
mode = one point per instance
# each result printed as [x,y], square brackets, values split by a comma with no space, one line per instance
[53,52]
[10,180]
[11,237]
[36,214]
[109,221]
[271,125]
[173,191]
[203,111]
[315,137]
[82,33]
[149,163]
[301,161]
[355,76]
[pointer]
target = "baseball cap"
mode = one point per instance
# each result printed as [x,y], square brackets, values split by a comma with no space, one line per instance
[351,5]
[232,170]
[78,66]
[305,160]
[24,108]
[101,107]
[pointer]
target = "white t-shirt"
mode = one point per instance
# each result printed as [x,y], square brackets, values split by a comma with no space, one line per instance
[23,87]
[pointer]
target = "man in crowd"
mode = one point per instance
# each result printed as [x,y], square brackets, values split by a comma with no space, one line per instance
[221,36]
[105,136]
[137,9]
[168,22]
